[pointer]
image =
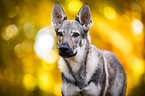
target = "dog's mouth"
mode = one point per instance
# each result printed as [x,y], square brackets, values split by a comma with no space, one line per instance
[67,54]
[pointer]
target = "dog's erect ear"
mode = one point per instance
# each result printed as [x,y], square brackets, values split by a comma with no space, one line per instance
[84,17]
[58,16]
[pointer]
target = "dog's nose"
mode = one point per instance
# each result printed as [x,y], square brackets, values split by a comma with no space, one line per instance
[64,47]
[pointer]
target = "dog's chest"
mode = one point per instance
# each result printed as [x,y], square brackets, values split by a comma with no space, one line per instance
[90,67]
[71,90]
[83,75]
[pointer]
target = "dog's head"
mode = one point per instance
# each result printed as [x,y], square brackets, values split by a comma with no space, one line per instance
[71,33]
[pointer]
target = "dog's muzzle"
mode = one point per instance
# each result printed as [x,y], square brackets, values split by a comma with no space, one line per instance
[65,50]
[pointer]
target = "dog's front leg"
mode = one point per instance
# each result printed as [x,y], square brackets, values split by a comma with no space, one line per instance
[92,89]
[69,89]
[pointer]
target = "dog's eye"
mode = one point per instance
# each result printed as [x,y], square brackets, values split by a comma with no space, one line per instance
[60,34]
[76,34]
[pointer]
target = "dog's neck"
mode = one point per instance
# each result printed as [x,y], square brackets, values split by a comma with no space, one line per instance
[77,65]
[80,59]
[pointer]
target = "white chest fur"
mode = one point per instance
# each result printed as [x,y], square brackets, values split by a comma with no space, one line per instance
[71,90]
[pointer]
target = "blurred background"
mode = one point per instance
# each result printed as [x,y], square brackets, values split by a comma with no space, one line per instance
[28,53]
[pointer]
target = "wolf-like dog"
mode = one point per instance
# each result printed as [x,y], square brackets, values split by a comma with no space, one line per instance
[85,70]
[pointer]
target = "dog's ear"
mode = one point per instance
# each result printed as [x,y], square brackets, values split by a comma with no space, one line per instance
[58,16]
[84,17]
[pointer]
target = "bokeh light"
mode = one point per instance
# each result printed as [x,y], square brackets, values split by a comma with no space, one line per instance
[27,46]
[19,51]
[73,6]
[138,66]
[48,66]
[137,26]
[109,12]
[57,90]
[28,49]
[10,32]
[44,80]
[13,12]
[29,82]
[52,57]
[43,43]
[29,29]
[44,83]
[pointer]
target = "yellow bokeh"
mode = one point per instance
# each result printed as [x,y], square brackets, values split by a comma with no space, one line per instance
[44,80]
[73,6]
[10,32]
[29,29]
[29,62]
[119,42]
[27,45]
[48,66]
[19,51]
[29,82]
[138,66]
[57,90]
[52,57]
[109,12]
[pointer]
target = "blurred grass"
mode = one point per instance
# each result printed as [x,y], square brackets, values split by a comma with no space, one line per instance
[118,27]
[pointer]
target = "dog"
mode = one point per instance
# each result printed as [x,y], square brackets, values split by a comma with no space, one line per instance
[85,70]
